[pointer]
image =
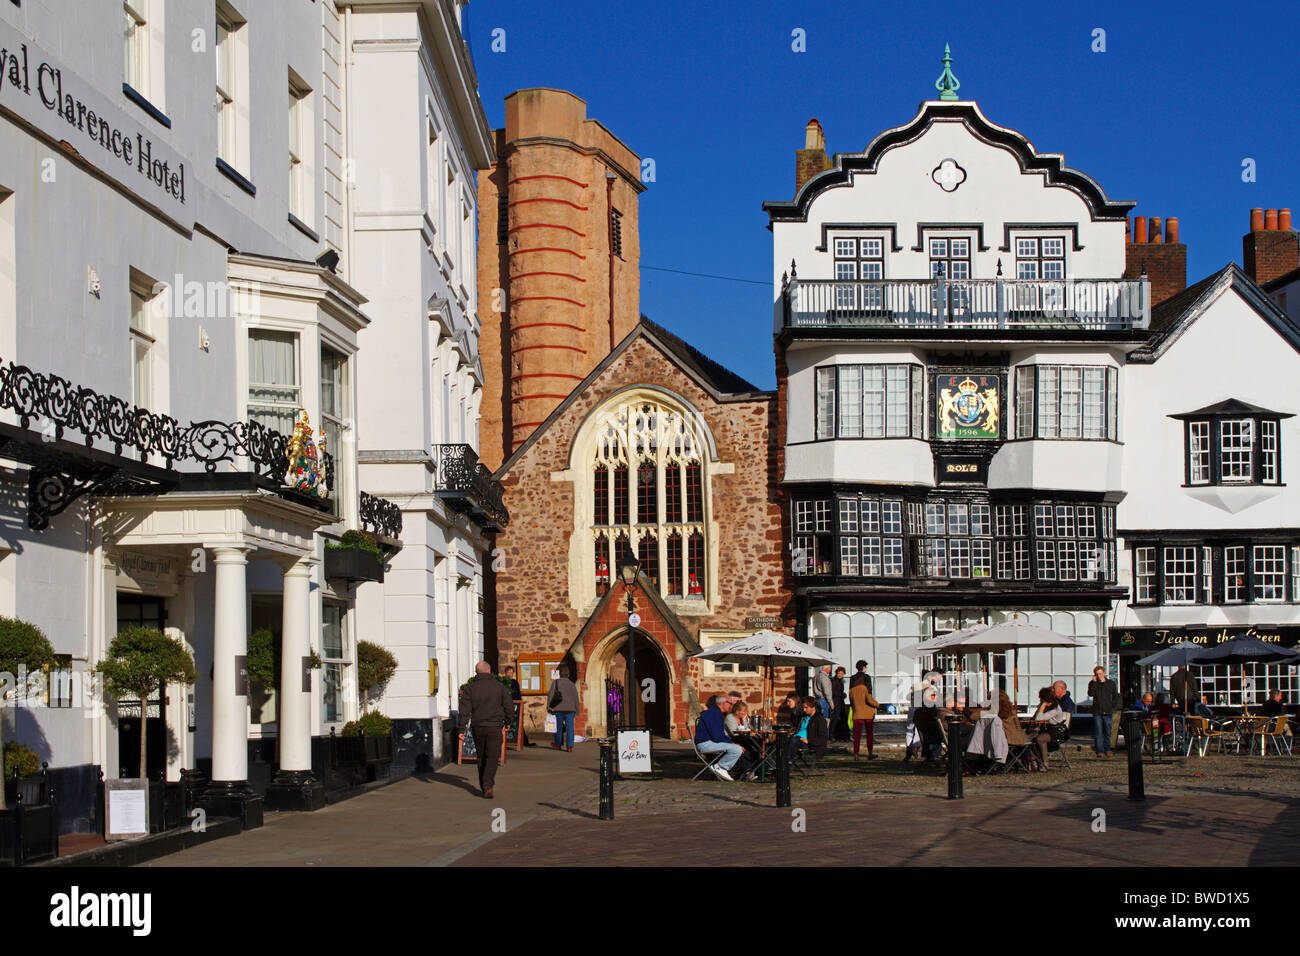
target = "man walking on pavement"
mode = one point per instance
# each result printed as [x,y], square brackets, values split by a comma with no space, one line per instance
[486,705]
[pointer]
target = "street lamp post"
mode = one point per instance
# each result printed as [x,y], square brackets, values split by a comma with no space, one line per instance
[629,571]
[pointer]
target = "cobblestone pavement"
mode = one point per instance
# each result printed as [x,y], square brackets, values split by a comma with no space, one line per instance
[1218,810]
[1221,810]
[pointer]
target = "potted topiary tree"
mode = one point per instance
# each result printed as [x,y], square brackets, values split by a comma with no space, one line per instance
[356,557]
[141,660]
[24,648]
[375,668]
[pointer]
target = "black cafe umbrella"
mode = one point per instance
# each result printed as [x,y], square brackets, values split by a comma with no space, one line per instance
[1246,650]
[1175,655]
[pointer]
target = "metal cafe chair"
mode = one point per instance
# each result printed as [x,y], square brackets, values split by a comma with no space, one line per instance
[707,759]
[1278,735]
[1201,732]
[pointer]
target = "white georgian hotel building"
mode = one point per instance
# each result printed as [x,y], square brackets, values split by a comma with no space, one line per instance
[122,275]
[413,234]
[952,330]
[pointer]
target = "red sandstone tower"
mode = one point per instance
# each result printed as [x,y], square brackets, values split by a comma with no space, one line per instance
[559,255]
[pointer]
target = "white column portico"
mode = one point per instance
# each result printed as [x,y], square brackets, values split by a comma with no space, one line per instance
[295,697]
[230,668]
[294,787]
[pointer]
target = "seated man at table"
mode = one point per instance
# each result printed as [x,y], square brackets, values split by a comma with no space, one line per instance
[1202,708]
[1275,706]
[811,731]
[1063,698]
[711,736]
[1143,703]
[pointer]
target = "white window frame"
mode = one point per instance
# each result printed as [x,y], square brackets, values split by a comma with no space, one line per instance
[1236,584]
[1180,573]
[1269,572]
[1199,452]
[301,149]
[1144,575]
[1241,451]
[143,341]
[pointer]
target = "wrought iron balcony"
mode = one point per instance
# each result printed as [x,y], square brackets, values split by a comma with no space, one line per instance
[147,446]
[1065,305]
[380,516]
[466,485]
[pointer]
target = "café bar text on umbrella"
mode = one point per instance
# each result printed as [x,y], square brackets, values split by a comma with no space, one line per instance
[772,650]
[1243,651]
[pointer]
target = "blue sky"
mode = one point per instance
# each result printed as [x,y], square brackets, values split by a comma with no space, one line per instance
[715,95]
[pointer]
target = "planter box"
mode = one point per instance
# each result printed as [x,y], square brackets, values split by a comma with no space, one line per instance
[353,564]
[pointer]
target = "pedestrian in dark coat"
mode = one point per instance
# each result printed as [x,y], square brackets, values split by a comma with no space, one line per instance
[485,706]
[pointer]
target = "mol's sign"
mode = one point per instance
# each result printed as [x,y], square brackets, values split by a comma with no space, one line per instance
[634,751]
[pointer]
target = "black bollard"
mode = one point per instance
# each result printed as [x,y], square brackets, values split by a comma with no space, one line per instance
[954,758]
[782,768]
[1133,739]
[607,778]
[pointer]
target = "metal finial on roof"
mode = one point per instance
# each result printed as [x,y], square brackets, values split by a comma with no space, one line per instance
[947,84]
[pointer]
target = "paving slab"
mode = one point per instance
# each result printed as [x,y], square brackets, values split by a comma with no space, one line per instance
[427,819]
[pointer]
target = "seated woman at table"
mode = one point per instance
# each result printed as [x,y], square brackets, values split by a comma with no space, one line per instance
[739,729]
[1053,724]
[790,713]
[1016,736]
[811,731]
[737,721]
[1162,715]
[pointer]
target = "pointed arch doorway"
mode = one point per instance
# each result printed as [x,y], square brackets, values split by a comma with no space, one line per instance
[655,714]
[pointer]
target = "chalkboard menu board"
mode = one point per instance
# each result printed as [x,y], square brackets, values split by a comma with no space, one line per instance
[468,751]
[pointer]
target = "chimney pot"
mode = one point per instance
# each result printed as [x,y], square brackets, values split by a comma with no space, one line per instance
[1140,229]
[1270,220]
[1256,220]
[1155,229]
[1171,229]
[814,137]
[1284,220]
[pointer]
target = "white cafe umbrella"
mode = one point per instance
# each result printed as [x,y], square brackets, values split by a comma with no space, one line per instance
[1008,636]
[772,650]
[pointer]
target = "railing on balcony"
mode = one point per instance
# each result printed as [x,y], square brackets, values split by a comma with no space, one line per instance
[54,407]
[1100,305]
[467,485]
[380,516]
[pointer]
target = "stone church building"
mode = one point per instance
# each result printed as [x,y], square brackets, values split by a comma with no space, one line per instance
[662,453]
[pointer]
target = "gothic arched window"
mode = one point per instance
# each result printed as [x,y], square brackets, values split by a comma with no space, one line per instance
[661,518]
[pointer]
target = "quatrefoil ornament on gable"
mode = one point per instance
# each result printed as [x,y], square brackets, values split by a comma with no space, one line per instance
[948,175]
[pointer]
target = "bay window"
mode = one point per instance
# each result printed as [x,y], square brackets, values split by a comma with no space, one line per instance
[1232,443]
[869,401]
[1067,401]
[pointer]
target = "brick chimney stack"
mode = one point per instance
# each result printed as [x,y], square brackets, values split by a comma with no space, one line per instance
[1271,248]
[1157,250]
[812,159]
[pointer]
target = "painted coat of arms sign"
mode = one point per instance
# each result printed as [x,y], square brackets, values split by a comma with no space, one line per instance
[968,406]
[306,471]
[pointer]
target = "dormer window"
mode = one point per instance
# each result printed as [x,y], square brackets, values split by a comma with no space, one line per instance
[1232,443]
